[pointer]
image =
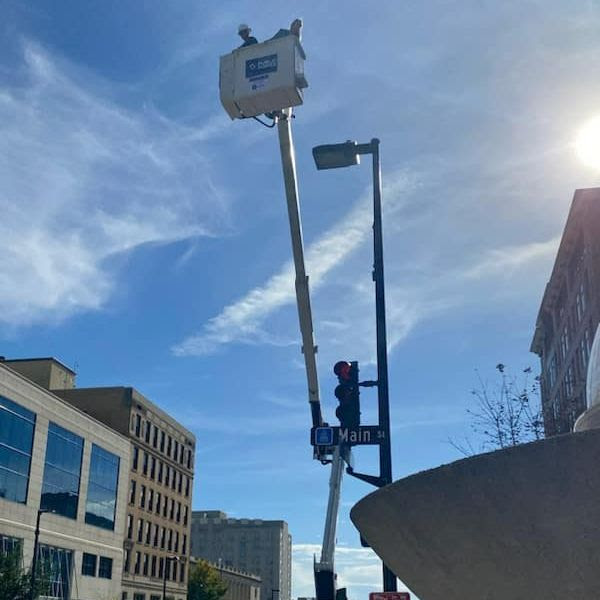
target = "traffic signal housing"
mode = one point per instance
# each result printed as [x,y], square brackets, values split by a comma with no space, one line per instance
[348,394]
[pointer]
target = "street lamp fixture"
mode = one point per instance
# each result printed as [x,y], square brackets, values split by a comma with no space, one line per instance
[334,156]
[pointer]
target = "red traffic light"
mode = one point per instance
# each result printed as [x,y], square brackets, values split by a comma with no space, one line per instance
[342,369]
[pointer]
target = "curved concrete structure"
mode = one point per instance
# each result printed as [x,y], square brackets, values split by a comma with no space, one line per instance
[519,524]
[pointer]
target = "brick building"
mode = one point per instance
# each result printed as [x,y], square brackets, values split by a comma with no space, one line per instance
[569,315]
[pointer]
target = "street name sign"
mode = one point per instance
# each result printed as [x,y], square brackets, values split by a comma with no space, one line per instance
[365,435]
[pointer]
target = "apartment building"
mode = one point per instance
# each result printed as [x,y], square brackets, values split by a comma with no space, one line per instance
[70,471]
[569,315]
[253,545]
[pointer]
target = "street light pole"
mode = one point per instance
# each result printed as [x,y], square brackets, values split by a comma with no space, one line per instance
[385,453]
[334,156]
[36,540]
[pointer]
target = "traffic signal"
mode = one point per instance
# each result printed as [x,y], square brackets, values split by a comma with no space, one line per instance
[348,394]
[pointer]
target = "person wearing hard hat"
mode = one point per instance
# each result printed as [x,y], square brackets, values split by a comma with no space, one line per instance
[244,32]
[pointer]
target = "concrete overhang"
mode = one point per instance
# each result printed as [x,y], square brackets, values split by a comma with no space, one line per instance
[521,523]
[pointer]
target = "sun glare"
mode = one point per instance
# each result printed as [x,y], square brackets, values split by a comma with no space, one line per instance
[587,143]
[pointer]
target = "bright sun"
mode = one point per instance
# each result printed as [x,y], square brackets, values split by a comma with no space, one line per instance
[587,143]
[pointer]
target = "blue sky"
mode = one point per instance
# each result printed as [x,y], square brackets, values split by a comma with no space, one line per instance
[146,240]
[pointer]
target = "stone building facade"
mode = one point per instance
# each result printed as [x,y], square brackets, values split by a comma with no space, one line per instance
[569,314]
[70,469]
[253,545]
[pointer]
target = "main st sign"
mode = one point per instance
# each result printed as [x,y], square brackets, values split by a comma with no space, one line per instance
[365,435]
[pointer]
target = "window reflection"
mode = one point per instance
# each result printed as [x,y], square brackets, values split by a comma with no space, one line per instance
[102,488]
[60,489]
[17,425]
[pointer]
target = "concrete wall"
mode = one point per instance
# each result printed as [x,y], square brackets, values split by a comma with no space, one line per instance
[521,523]
[18,520]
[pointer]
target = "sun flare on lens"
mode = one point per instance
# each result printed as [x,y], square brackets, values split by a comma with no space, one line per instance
[587,144]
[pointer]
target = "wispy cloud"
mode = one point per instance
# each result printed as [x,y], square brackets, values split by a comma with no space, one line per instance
[241,322]
[84,179]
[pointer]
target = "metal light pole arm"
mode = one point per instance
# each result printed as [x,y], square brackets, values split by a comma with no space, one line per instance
[309,349]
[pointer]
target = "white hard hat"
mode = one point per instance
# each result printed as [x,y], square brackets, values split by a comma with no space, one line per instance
[243,27]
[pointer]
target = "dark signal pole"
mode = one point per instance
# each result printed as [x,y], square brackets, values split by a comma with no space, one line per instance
[333,156]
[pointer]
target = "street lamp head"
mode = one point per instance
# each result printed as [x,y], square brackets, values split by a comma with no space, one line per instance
[335,156]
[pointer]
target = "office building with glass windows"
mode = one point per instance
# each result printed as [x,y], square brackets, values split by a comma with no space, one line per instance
[569,315]
[70,470]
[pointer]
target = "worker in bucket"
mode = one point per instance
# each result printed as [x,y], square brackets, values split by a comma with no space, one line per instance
[244,32]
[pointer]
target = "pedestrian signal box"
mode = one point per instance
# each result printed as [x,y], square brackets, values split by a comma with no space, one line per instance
[262,78]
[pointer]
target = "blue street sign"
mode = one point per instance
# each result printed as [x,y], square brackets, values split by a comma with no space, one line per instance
[324,436]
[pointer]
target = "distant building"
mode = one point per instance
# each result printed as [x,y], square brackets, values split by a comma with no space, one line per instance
[53,457]
[240,584]
[159,479]
[253,545]
[569,315]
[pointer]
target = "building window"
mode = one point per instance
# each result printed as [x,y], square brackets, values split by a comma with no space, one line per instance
[145,464]
[148,532]
[152,467]
[167,475]
[161,564]
[62,471]
[165,507]
[564,342]
[184,544]
[102,488]
[150,500]
[170,542]
[175,449]
[158,497]
[160,472]
[57,566]
[187,487]
[172,511]
[105,568]
[155,437]
[8,545]
[136,456]
[145,570]
[137,596]
[162,441]
[140,534]
[153,566]
[148,432]
[143,496]
[181,572]
[162,537]
[155,541]
[169,442]
[138,563]
[132,487]
[189,460]
[177,541]
[88,564]
[181,454]
[16,442]
[185,515]
[129,526]
[138,425]
[126,561]
[180,483]
[178,514]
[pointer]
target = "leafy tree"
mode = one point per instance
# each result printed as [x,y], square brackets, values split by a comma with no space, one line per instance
[505,413]
[15,583]
[205,583]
